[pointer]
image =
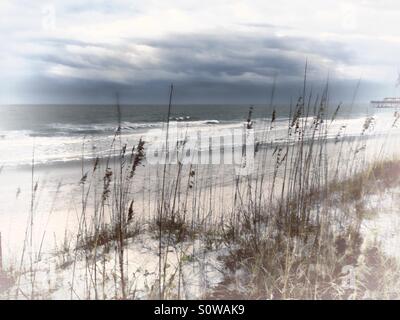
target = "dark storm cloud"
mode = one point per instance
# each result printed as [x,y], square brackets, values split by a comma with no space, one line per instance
[42,90]
[204,56]
[239,54]
[205,66]
[245,43]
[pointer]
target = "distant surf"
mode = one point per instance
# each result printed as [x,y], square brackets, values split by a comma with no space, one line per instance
[59,134]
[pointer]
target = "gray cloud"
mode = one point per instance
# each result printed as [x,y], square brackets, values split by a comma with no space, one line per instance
[44,90]
[220,67]
[217,58]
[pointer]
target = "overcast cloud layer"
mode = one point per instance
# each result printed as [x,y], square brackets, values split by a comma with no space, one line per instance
[71,51]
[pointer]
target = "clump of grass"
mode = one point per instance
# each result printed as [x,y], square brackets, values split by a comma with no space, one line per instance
[175,227]
[306,265]
[107,235]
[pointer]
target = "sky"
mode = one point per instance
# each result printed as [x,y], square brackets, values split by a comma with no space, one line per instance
[220,51]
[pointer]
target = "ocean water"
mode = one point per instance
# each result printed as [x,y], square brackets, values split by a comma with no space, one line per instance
[57,133]
[52,134]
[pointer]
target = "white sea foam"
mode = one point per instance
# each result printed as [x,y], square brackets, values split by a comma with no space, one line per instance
[60,142]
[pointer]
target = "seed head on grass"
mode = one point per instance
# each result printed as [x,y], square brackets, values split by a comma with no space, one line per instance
[137,157]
